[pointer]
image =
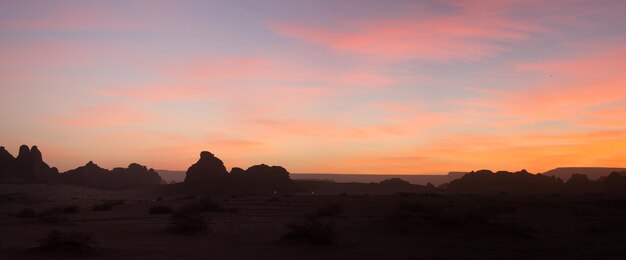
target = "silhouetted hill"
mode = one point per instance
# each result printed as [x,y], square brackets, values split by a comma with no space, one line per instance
[208,168]
[209,175]
[388,186]
[119,178]
[594,173]
[614,183]
[485,181]
[420,179]
[28,166]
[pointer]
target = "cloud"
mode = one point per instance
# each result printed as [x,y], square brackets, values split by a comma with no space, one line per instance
[159,93]
[461,35]
[102,116]
[568,89]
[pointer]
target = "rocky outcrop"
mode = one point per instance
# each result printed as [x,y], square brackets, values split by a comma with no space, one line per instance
[395,182]
[614,183]
[88,175]
[267,178]
[7,165]
[511,182]
[237,172]
[93,175]
[580,183]
[28,166]
[137,175]
[207,168]
[209,174]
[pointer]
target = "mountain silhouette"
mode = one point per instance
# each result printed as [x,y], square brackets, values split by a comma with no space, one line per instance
[594,173]
[91,174]
[209,174]
[28,166]
[208,167]
[486,181]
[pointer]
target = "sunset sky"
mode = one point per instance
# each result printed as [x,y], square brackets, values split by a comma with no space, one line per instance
[392,87]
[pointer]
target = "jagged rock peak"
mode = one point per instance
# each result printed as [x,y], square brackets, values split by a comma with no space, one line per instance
[206,154]
[35,154]
[91,164]
[24,152]
[237,171]
[207,166]
[5,153]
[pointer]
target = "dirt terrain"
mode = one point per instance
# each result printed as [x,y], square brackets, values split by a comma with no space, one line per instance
[343,226]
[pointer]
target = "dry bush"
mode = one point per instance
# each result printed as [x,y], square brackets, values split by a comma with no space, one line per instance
[102,207]
[73,209]
[160,209]
[26,213]
[183,223]
[67,242]
[312,231]
[330,210]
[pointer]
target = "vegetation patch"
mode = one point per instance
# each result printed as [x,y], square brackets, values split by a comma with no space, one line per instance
[330,210]
[73,243]
[313,231]
[160,209]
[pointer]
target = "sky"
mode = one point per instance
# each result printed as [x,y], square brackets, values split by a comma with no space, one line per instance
[396,87]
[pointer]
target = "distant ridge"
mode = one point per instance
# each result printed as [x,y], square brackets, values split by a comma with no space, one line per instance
[435,179]
[594,173]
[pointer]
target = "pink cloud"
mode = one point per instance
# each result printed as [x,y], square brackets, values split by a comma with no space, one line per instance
[465,35]
[103,116]
[570,89]
[159,93]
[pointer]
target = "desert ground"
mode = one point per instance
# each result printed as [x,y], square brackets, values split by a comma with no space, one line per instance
[341,226]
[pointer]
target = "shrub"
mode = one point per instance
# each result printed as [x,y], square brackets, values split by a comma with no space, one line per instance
[67,242]
[313,231]
[49,212]
[71,209]
[115,202]
[273,199]
[160,209]
[102,207]
[26,213]
[51,219]
[330,210]
[207,204]
[407,216]
[188,224]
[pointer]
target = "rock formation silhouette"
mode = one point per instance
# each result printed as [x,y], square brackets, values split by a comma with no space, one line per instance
[28,166]
[209,173]
[119,178]
[578,183]
[614,183]
[7,165]
[486,181]
[206,169]
[266,178]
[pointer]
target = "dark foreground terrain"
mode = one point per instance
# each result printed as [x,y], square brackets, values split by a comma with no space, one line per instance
[140,224]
